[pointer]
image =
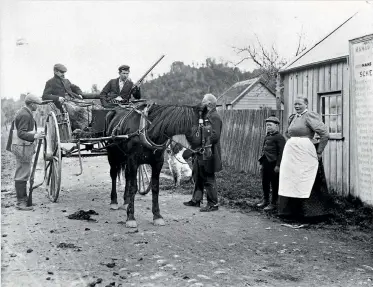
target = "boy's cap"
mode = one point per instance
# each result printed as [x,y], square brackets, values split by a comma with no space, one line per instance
[273,119]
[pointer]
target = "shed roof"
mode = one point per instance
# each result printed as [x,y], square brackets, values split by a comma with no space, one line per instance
[237,90]
[335,45]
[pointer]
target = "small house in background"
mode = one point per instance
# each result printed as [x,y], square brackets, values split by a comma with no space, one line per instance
[324,74]
[252,94]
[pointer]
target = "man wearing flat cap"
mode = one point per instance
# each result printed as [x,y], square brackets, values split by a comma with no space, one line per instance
[121,88]
[270,160]
[60,90]
[57,87]
[21,143]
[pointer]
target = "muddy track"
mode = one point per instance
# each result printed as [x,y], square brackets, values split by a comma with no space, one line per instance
[225,248]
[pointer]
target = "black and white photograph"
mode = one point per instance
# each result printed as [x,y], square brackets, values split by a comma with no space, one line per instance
[186,143]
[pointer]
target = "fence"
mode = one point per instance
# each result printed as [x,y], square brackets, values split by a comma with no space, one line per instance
[242,137]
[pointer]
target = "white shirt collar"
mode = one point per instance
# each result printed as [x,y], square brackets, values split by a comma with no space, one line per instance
[302,113]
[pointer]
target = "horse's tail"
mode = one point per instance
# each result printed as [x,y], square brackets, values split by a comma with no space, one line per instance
[121,170]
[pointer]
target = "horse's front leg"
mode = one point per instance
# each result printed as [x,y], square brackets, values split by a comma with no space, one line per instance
[113,194]
[126,197]
[130,198]
[157,217]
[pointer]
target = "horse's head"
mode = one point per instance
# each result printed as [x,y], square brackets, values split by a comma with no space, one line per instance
[199,135]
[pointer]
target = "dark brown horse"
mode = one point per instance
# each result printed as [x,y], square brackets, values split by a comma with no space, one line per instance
[163,122]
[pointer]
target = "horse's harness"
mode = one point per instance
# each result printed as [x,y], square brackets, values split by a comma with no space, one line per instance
[203,130]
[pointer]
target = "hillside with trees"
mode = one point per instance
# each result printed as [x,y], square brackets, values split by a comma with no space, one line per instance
[185,84]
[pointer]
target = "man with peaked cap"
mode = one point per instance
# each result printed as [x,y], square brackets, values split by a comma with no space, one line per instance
[121,88]
[21,143]
[59,90]
[270,160]
[57,87]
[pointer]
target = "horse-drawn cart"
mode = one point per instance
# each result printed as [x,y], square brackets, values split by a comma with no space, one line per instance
[88,142]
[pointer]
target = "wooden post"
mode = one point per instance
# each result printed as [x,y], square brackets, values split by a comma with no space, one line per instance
[279,94]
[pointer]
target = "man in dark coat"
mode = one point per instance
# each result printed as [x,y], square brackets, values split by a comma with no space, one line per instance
[120,88]
[270,160]
[57,87]
[21,143]
[60,90]
[204,169]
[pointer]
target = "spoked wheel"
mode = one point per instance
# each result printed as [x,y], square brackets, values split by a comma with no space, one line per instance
[52,157]
[144,179]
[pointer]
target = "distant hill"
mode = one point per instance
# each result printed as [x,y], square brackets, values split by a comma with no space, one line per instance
[184,84]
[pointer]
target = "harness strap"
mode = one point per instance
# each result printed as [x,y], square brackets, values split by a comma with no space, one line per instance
[118,126]
[143,131]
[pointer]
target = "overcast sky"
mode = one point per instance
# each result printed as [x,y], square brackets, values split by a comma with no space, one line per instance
[92,38]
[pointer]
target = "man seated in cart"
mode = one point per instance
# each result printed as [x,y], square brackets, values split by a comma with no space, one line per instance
[66,97]
[119,89]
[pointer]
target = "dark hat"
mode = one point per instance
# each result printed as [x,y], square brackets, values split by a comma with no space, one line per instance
[124,68]
[273,119]
[60,67]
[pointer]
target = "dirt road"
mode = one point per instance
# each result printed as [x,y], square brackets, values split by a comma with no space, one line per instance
[225,248]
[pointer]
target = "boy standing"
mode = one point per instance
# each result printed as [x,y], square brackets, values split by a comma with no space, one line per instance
[270,160]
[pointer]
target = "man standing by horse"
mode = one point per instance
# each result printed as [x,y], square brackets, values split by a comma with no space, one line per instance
[120,88]
[205,167]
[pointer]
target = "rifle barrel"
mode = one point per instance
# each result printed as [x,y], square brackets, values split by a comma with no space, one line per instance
[148,71]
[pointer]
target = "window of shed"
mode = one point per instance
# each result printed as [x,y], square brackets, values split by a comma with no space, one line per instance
[331,112]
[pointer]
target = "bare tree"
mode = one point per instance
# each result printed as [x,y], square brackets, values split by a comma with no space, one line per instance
[267,59]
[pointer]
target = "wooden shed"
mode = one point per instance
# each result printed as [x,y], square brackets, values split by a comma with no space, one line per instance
[252,94]
[321,74]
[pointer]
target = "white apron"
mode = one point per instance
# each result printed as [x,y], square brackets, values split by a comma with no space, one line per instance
[298,168]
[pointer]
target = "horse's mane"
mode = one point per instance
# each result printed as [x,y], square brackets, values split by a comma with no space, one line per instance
[171,119]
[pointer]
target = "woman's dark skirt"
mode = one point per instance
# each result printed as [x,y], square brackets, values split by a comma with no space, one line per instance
[315,207]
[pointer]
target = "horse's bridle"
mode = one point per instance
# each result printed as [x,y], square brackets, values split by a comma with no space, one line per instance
[142,132]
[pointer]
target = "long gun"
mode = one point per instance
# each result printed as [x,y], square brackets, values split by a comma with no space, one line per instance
[139,82]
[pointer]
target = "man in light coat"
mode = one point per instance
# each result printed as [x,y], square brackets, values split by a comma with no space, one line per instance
[21,143]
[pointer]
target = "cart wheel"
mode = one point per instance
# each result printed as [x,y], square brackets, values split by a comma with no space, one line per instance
[144,179]
[52,157]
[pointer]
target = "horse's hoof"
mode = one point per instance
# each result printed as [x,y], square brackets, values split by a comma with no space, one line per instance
[123,207]
[114,206]
[159,222]
[131,224]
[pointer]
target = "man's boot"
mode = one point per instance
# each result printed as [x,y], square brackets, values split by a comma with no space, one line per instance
[21,191]
[264,203]
[270,207]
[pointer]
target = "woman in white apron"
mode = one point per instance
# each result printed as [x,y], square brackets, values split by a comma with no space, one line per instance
[302,187]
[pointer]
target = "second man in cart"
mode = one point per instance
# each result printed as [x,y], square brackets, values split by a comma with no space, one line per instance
[121,88]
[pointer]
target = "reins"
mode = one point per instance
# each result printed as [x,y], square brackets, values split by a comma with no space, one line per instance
[169,139]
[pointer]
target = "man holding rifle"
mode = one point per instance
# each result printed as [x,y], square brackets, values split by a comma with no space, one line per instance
[120,89]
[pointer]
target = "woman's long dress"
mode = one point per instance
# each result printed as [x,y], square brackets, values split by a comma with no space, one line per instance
[303,191]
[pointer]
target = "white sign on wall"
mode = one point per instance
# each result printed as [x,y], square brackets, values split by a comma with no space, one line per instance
[361,69]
